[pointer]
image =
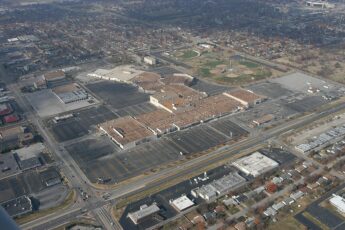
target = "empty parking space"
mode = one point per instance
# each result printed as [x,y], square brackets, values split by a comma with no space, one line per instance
[81,123]
[197,139]
[136,110]
[100,158]
[89,150]
[118,95]
[279,155]
[270,89]
[25,183]
[307,104]
[229,128]
[210,89]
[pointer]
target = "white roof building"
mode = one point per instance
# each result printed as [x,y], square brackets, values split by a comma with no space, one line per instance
[182,203]
[255,164]
[219,187]
[120,73]
[143,212]
[338,202]
[297,195]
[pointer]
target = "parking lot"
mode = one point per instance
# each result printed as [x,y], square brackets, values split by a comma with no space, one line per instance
[210,89]
[118,95]
[47,104]
[135,110]
[229,128]
[270,89]
[279,155]
[80,124]
[300,82]
[24,183]
[307,104]
[8,165]
[100,157]
[277,108]
[165,70]
[197,139]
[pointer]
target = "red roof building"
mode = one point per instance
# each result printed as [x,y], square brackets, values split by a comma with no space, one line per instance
[271,187]
[11,118]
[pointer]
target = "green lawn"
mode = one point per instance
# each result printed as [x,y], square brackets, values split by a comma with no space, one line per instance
[205,72]
[213,64]
[189,54]
[249,64]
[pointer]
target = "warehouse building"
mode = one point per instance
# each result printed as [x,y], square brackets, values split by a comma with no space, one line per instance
[338,202]
[54,76]
[245,97]
[120,74]
[50,177]
[18,206]
[11,118]
[127,132]
[219,187]
[143,213]
[29,157]
[148,82]
[179,78]
[255,164]
[70,93]
[182,203]
[150,60]
[159,121]
[174,98]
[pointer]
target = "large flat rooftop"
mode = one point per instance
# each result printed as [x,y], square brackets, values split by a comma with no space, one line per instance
[125,130]
[255,164]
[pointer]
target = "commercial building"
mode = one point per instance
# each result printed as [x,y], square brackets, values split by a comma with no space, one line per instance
[178,78]
[255,164]
[245,97]
[144,212]
[70,93]
[18,206]
[127,132]
[11,118]
[148,82]
[150,60]
[175,97]
[181,203]
[120,74]
[322,140]
[11,132]
[159,121]
[50,177]
[219,187]
[264,119]
[40,82]
[338,202]
[54,76]
[29,157]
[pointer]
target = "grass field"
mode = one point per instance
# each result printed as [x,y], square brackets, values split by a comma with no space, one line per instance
[249,64]
[213,64]
[189,54]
